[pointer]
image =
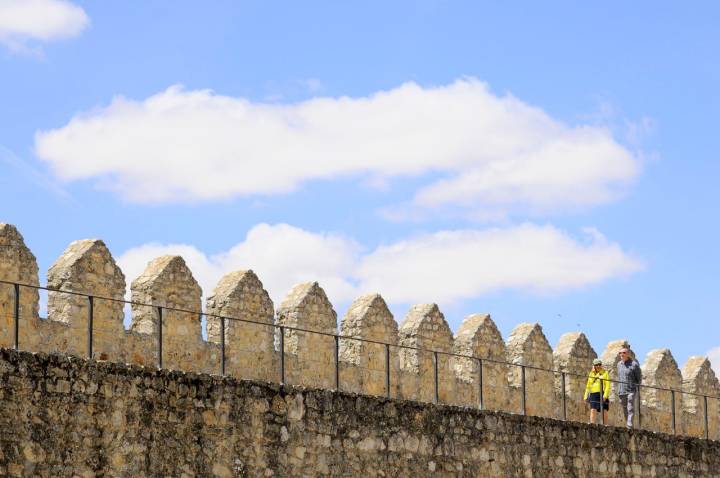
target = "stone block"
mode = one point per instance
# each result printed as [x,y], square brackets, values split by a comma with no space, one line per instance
[660,370]
[87,267]
[425,327]
[573,355]
[698,378]
[309,357]
[527,345]
[478,336]
[17,264]
[249,345]
[364,363]
[168,283]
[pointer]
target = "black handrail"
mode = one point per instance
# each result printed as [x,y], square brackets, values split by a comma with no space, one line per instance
[337,337]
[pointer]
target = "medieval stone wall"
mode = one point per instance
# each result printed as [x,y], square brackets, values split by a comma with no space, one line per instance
[474,365]
[65,416]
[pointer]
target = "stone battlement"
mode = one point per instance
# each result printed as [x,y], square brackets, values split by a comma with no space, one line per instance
[252,349]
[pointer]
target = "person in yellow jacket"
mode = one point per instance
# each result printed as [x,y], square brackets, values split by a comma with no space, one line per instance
[598,385]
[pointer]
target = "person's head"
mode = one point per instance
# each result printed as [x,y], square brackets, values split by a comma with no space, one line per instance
[597,364]
[625,354]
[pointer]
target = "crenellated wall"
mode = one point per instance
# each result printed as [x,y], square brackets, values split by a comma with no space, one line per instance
[572,355]
[252,345]
[62,416]
[527,345]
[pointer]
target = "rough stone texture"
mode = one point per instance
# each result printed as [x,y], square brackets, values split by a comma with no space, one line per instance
[63,416]
[167,282]
[309,358]
[660,370]
[87,267]
[425,327]
[249,348]
[527,345]
[699,378]
[364,363]
[573,355]
[478,336]
[17,264]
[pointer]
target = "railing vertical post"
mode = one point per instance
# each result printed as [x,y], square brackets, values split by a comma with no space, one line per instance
[639,407]
[91,318]
[480,384]
[282,355]
[337,362]
[160,338]
[602,401]
[222,345]
[707,426]
[435,367]
[672,403]
[387,369]
[522,386]
[564,395]
[16,322]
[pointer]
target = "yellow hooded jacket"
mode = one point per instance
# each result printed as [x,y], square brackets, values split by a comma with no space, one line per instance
[595,381]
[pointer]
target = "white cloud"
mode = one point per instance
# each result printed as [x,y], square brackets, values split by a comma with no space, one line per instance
[451,265]
[443,267]
[41,20]
[486,153]
[281,255]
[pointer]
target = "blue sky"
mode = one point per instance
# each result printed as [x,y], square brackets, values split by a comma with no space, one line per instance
[551,163]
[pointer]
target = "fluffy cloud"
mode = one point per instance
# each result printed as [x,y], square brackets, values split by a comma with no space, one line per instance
[451,265]
[443,267]
[42,20]
[281,255]
[482,152]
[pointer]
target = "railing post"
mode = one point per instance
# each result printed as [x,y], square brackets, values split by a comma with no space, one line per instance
[16,322]
[639,407]
[602,401]
[480,384]
[222,345]
[337,362]
[282,355]
[160,338]
[91,317]
[435,367]
[387,369]
[707,426]
[522,386]
[564,395]
[672,403]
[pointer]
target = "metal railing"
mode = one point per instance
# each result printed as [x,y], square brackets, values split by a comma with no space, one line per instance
[283,329]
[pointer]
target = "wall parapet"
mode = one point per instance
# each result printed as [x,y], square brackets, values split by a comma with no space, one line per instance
[299,344]
[171,423]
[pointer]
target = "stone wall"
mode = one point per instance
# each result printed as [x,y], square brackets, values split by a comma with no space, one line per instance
[249,343]
[527,345]
[572,355]
[253,347]
[64,416]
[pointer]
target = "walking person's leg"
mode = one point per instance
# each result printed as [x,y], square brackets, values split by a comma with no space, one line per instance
[595,406]
[605,407]
[624,405]
[630,409]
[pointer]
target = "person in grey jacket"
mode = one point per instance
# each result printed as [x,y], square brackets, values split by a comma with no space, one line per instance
[630,377]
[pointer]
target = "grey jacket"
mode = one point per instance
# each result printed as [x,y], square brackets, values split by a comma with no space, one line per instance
[629,376]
